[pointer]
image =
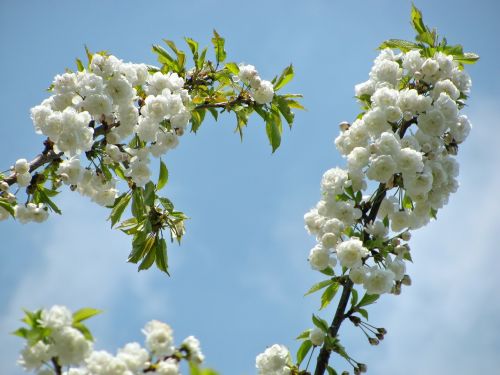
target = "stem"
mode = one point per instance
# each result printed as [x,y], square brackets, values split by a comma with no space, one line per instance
[369,215]
[324,354]
[48,155]
[57,366]
[238,100]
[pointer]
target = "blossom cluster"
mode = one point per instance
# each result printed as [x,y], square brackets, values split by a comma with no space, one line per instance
[405,143]
[65,346]
[275,360]
[110,116]
[262,90]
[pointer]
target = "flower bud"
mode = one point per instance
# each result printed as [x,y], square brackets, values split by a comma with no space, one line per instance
[22,166]
[344,125]
[373,341]
[4,186]
[406,236]
[355,320]
[362,367]
[379,336]
[406,280]
[381,330]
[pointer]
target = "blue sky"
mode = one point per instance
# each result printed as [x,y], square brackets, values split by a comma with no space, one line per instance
[239,276]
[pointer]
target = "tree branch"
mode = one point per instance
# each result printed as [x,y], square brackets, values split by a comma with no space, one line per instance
[324,354]
[340,315]
[47,156]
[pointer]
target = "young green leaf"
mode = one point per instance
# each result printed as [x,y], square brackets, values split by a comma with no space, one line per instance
[119,207]
[233,68]
[364,313]
[320,323]
[328,295]
[163,178]
[302,351]
[318,286]
[303,335]
[402,45]
[218,42]
[161,256]
[84,314]
[285,77]
[84,330]
[367,299]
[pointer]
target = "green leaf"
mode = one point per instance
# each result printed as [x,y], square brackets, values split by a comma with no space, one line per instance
[274,130]
[79,65]
[331,371]
[7,206]
[318,286]
[328,271]
[21,332]
[138,245]
[119,207]
[85,313]
[320,323]
[285,77]
[194,369]
[163,178]
[163,55]
[149,254]
[201,59]
[233,68]
[84,330]
[363,312]
[303,335]
[402,45]
[161,255]
[197,117]
[417,21]
[45,199]
[467,58]
[89,54]
[166,203]
[218,42]
[214,113]
[368,299]
[138,208]
[407,202]
[354,297]
[328,295]
[285,110]
[193,45]
[149,194]
[302,351]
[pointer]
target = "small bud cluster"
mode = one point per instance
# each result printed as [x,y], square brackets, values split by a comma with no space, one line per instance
[405,141]
[65,344]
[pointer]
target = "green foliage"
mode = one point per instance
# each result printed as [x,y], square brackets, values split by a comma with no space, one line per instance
[427,41]
[329,294]
[303,350]
[34,331]
[194,369]
[320,323]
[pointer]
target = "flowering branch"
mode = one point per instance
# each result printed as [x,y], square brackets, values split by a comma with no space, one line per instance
[404,141]
[114,116]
